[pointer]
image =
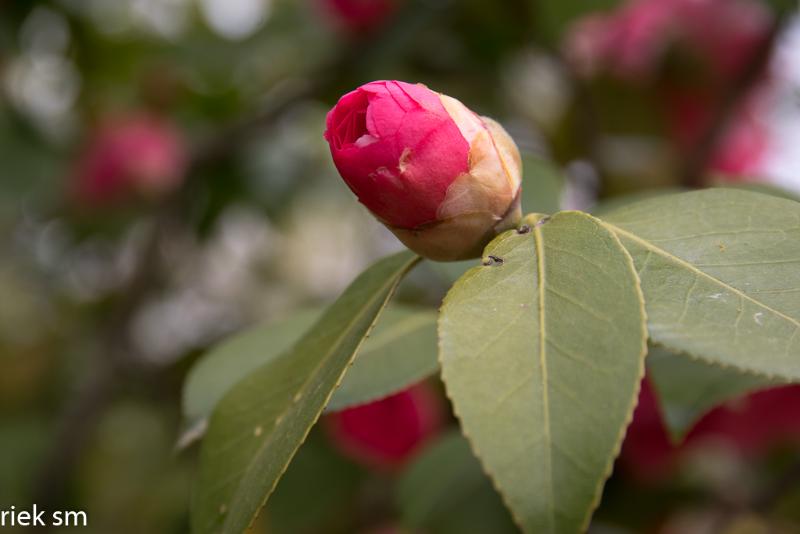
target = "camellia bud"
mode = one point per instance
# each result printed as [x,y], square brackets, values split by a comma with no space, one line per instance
[444,180]
[133,155]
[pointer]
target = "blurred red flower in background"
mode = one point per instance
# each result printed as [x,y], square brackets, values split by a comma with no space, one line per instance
[751,426]
[128,156]
[361,16]
[647,452]
[626,42]
[631,41]
[721,35]
[741,147]
[385,433]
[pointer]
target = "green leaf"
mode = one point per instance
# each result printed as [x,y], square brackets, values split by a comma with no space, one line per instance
[687,389]
[401,352]
[542,350]
[762,187]
[450,271]
[298,506]
[258,426]
[217,371]
[720,271]
[446,491]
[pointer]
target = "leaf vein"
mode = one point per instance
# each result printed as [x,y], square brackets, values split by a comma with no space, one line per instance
[270,437]
[661,252]
[548,461]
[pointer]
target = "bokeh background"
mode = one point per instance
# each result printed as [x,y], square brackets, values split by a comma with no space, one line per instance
[164,182]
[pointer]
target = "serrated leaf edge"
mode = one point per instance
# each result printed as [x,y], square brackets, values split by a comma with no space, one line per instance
[410,325]
[633,403]
[614,229]
[677,438]
[392,286]
[642,369]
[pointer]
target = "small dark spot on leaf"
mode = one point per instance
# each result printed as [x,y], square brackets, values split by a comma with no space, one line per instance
[493,260]
[524,229]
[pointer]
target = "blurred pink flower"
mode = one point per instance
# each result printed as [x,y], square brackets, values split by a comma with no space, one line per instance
[384,434]
[751,425]
[647,453]
[128,156]
[626,42]
[631,41]
[741,147]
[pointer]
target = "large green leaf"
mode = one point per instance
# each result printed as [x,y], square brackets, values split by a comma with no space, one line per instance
[258,426]
[400,351]
[765,188]
[445,491]
[720,270]
[688,388]
[217,371]
[542,350]
[298,507]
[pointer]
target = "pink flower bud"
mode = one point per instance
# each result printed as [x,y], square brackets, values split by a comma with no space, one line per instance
[129,156]
[440,177]
[385,433]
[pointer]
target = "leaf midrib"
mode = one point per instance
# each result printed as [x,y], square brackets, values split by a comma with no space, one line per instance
[661,252]
[540,270]
[393,280]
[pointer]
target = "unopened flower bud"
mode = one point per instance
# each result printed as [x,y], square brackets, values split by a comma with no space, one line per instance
[444,180]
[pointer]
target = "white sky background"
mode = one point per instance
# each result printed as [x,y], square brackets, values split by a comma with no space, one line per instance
[782,163]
